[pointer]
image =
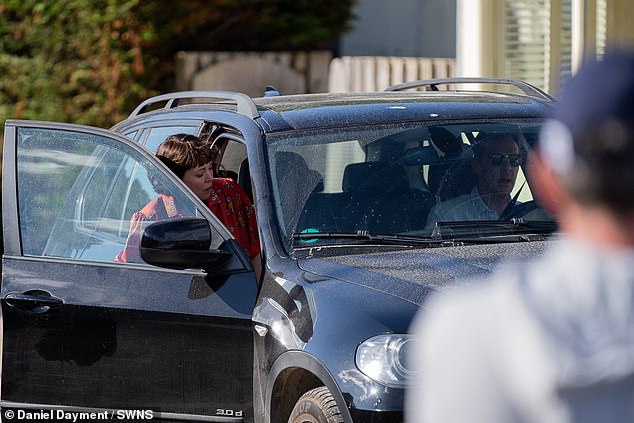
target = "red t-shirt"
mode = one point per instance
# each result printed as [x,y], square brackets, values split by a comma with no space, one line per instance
[160,208]
[228,202]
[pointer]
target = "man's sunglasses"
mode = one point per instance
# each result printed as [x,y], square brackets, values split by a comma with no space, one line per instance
[496,159]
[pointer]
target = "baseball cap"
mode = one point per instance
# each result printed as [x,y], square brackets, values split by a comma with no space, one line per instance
[594,120]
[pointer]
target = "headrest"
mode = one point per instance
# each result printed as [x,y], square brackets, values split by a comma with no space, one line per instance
[290,161]
[293,172]
[449,180]
[374,176]
[445,141]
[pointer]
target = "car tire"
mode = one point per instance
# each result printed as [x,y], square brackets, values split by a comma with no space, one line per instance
[316,406]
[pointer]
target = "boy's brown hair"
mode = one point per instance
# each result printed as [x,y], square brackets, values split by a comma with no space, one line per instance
[181,152]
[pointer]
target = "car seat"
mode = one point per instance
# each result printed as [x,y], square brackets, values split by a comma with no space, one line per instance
[244,179]
[380,200]
[295,183]
[451,175]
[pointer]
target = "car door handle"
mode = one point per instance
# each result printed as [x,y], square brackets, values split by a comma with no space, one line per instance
[34,302]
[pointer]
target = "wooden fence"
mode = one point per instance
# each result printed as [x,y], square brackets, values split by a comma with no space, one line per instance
[354,74]
[302,72]
[250,73]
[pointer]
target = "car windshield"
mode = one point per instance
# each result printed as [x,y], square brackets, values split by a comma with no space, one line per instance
[401,183]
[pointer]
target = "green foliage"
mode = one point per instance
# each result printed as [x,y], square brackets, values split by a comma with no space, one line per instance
[91,61]
[70,60]
[221,25]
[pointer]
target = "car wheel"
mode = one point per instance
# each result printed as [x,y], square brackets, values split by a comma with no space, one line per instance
[316,406]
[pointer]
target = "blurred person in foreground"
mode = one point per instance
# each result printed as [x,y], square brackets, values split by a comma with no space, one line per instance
[551,340]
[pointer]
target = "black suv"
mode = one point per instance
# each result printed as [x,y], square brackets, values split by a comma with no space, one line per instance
[344,186]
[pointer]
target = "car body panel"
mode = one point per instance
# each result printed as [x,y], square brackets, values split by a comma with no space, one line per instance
[333,110]
[413,274]
[121,336]
[218,346]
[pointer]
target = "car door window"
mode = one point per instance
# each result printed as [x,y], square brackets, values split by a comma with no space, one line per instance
[132,135]
[77,193]
[160,133]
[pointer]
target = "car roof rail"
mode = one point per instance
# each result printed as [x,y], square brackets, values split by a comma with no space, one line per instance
[244,104]
[432,85]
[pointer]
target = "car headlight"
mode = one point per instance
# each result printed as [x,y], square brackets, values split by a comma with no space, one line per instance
[384,359]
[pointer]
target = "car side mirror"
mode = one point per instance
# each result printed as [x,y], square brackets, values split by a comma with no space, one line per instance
[181,243]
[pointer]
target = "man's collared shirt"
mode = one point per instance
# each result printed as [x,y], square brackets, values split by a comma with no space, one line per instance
[464,207]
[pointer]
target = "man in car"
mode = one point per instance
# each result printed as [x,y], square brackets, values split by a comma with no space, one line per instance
[550,340]
[495,163]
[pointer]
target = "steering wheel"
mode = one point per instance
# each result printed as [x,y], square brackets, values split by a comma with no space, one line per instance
[520,210]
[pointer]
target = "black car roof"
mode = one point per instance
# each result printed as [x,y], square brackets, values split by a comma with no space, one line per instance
[307,111]
[352,109]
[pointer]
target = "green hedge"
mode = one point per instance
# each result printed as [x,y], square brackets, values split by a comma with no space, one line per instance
[91,61]
[72,60]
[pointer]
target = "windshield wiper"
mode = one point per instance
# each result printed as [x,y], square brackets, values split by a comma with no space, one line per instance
[436,240]
[479,231]
[486,228]
[308,237]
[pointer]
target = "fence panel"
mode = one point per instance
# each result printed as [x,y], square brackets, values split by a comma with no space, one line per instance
[354,74]
[250,73]
[302,72]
